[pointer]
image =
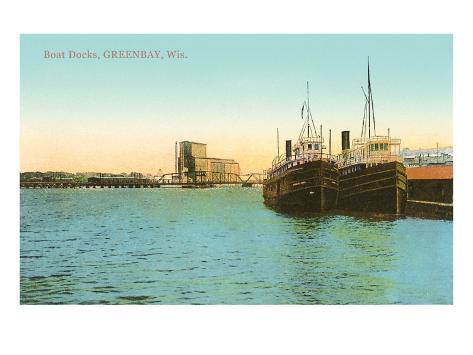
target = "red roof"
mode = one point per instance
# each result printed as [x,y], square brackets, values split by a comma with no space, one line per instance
[440,172]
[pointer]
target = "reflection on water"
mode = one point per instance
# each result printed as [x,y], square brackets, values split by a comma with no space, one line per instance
[340,258]
[222,245]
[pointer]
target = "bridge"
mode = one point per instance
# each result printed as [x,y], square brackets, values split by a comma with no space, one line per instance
[200,180]
[214,178]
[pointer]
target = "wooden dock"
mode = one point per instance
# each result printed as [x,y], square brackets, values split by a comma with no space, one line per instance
[115,185]
[428,209]
[167,180]
[78,185]
[430,192]
[86,185]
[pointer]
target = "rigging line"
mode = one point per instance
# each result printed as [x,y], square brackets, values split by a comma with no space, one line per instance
[370,94]
[301,134]
[308,111]
[364,115]
[372,110]
[309,115]
[363,125]
[308,96]
[313,125]
[308,124]
[302,130]
[369,103]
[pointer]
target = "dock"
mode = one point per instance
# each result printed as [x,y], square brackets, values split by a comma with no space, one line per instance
[430,192]
[431,210]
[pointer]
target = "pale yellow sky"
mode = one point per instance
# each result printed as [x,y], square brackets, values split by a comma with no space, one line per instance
[230,92]
[144,148]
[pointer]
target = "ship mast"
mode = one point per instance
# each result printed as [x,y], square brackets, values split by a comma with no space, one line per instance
[310,129]
[308,110]
[370,104]
[368,114]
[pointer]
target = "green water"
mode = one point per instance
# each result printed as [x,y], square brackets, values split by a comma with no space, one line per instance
[221,246]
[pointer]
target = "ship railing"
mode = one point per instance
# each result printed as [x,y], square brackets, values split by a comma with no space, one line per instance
[279,160]
[374,139]
[372,159]
[303,157]
[284,164]
[317,139]
[318,156]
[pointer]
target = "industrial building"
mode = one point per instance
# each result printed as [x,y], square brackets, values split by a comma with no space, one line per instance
[193,165]
[427,157]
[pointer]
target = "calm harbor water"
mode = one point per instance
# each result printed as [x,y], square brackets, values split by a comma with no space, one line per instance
[221,246]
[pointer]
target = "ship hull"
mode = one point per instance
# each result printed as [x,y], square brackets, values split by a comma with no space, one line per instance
[310,187]
[377,189]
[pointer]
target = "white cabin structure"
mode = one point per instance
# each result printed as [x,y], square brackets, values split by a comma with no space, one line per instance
[367,152]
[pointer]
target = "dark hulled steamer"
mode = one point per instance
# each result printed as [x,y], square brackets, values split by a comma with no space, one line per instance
[304,178]
[372,176]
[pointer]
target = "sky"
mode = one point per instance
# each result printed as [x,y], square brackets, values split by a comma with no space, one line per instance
[230,91]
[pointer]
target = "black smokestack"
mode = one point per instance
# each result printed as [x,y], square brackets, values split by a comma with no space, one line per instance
[345,140]
[288,149]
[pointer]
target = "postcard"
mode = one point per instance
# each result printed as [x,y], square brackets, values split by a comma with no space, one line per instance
[236,169]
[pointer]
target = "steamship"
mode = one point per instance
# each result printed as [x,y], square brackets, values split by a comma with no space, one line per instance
[372,176]
[304,178]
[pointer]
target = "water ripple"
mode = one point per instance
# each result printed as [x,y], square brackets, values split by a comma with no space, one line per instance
[221,246]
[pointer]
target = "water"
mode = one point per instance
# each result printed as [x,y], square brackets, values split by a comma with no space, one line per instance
[221,246]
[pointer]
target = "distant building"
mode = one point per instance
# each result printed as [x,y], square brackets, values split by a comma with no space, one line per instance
[427,157]
[194,165]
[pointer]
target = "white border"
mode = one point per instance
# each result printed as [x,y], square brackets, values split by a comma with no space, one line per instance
[234,329]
